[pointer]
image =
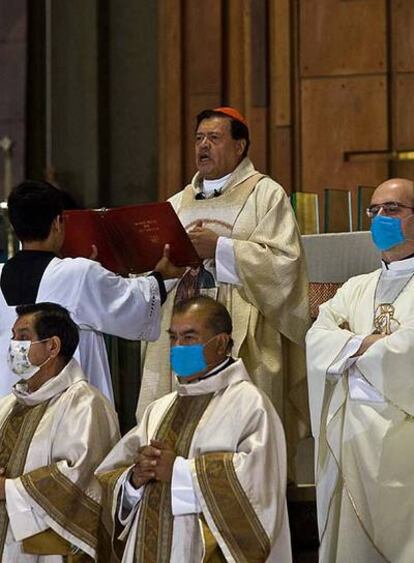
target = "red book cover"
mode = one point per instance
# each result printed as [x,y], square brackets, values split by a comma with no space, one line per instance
[130,240]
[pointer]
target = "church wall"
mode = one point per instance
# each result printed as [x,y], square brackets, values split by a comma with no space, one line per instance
[326,86]
[13,44]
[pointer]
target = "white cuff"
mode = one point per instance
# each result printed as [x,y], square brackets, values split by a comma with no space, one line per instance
[361,390]
[183,497]
[24,522]
[129,498]
[345,360]
[226,262]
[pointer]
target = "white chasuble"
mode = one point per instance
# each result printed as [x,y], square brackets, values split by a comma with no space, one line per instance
[365,460]
[269,308]
[51,441]
[233,440]
[99,302]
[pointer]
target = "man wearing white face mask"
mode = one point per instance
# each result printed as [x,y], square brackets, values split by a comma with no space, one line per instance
[360,373]
[55,429]
[203,476]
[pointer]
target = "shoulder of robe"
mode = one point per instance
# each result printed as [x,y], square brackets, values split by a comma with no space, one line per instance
[176,198]
[247,394]
[359,281]
[269,188]
[76,265]
[81,392]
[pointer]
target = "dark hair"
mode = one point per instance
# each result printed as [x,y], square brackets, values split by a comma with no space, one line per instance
[51,319]
[238,129]
[32,207]
[217,318]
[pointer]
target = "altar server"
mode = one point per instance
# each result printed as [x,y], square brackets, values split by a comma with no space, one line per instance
[98,300]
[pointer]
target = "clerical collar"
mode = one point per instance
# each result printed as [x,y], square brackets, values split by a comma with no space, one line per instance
[404,265]
[211,188]
[217,369]
[235,372]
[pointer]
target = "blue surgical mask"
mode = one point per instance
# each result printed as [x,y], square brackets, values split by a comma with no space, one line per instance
[188,360]
[386,232]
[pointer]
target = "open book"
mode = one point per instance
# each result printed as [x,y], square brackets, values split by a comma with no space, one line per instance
[130,240]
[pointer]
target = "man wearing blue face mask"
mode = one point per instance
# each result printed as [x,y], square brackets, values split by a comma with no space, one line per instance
[203,476]
[360,372]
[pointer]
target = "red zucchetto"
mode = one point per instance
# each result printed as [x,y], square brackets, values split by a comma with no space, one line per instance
[234,113]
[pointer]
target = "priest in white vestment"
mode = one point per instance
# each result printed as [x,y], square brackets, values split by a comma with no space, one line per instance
[203,476]
[360,362]
[55,429]
[98,300]
[242,224]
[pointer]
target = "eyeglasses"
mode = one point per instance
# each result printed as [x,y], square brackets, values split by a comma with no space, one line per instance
[388,208]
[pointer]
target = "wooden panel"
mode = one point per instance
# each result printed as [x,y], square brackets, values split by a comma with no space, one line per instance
[280,134]
[402,169]
[234,56]
[339,38]
[280,70]
[202,47]
[258,123]
[170,165]
[404,112]
[259,54]
[202,66]
[281,156]
[338,115]
[364,194]
[402,19]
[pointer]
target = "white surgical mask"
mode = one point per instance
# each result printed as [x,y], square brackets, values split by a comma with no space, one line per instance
[18,358]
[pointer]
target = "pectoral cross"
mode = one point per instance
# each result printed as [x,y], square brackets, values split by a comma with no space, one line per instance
[384,321]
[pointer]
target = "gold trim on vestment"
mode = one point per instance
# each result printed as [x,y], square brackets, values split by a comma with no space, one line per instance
[155,524]
[106,543]
[15,439]
[212,551]
[64,501]
[231,510]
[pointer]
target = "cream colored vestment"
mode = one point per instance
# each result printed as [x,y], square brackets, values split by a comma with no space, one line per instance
[234,441]
[365,460]
[68,428]
[269,310]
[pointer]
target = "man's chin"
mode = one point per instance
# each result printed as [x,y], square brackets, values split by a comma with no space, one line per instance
[205,169]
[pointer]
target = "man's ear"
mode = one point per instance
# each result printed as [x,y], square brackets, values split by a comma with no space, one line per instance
[241,145]
[59,222]
[54,346]
[223,343]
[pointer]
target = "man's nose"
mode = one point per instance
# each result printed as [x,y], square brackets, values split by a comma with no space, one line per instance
[205,141]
